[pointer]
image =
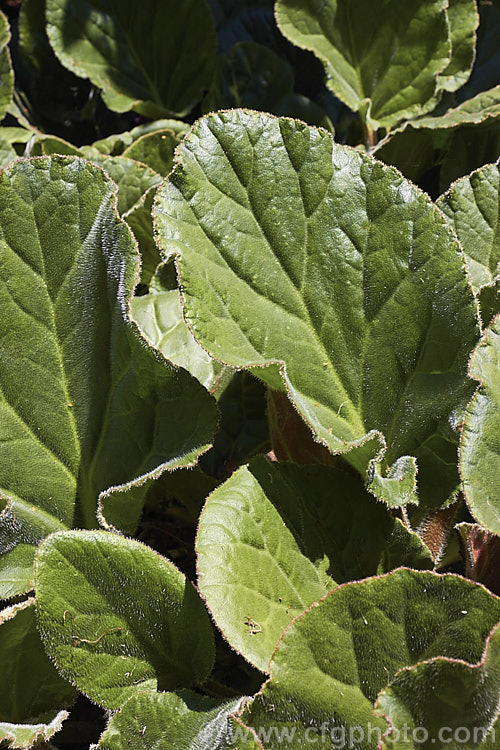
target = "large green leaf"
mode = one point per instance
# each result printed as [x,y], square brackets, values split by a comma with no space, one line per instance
[303,529]
[115,615]
[444,693]
[300,254]
[155,721]
[333,661]
[381,57]
[85,404]
[154,57]
[480,440]
[472,206]
[31,689]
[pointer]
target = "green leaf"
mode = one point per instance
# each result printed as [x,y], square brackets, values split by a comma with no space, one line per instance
[454,138]
[6,73]
[382,56]
[156,58]
[472,206]
[25,736]
[154,721]
[463,17]
[85,404]
[12,140]
[115,145]
[333,661]
[133,179]
[479,444]
[31,689]
[470,148]
[444,693]
[252,76]
[140,221]
[156,150]
[115,615]
[456,147]
[472,112]
[159,316]
[303,528]
[16,571]
[300,254]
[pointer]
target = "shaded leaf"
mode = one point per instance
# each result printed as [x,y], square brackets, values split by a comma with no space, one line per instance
[133,180]
[155,58]
[480,440]
[291,438]
[6,73]
[158,720]
[82,394]
[259,212]
[487,62]
[244,20]
[333,661]
[31,688]
[380,57]
[115,615]
[304,529]
[156,150]
[243,427]
[140,221]
[470,148]
[115,145]
[253,76]
[56,96]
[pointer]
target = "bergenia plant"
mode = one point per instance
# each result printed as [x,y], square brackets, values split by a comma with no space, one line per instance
[250,374]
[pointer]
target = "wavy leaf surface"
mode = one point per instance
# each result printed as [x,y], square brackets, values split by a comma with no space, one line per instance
[332,277]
